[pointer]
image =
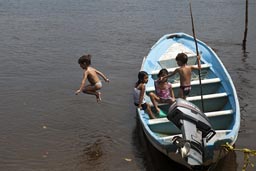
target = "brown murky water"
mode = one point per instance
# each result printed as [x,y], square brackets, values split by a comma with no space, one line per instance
[45,127]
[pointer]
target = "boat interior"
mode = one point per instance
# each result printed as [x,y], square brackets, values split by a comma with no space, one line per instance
[216,102]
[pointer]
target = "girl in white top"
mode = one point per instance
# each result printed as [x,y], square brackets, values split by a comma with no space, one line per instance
[139,93]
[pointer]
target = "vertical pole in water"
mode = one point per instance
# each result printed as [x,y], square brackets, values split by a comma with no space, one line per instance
[197,53]
[246,25]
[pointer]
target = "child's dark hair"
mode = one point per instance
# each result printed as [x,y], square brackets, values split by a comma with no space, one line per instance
[141,76]
[85,59]
[182,57]
[162,72]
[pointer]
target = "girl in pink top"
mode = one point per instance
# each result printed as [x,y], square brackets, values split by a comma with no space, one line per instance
[163,89]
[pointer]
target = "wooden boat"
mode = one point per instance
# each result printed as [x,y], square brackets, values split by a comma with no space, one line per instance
[220,100]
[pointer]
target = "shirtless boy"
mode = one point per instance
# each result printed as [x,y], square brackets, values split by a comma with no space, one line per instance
[184,71]
[91,74]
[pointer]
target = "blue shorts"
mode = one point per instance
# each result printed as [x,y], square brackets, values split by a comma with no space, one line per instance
[144,105]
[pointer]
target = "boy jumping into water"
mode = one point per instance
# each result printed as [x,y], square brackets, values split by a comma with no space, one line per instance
[91,74]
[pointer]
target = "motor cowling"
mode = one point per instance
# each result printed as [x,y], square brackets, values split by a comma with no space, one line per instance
[195,127]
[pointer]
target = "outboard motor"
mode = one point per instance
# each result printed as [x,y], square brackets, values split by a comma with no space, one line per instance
[196,130]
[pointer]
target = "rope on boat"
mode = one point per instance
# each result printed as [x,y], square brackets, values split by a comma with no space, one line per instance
[247,153]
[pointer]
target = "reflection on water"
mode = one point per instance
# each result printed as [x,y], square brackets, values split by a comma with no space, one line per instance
[227,163]
[93,151]
[153,159]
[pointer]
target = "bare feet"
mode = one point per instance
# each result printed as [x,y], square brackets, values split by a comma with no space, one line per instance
[98,96]
[157,110]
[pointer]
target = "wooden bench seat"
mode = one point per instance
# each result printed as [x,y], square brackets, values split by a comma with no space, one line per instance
[208,114]
[207,96]
[218,99]
[168,139]
[219,120]
[193,83]
[203,66]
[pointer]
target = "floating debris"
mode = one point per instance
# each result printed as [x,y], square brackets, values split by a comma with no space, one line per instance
[128,160]
[45,155]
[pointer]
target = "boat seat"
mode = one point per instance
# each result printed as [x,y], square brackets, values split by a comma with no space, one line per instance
[193,83]
[168,139]
[218,99]
[197,98]
[196,82]
[208,114]
[207,96]
[219,113]
[155,72]
[220,120]
[157,121]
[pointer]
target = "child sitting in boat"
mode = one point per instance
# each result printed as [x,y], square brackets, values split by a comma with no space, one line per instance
[163,88]
[185,72]
[91,74]
[139,93]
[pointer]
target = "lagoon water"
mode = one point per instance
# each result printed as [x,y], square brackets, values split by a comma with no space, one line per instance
[44,126]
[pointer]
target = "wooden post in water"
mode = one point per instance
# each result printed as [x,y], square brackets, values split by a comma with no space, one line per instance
[246,24]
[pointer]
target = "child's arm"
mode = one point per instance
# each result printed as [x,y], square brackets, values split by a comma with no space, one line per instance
[198,67]
[102,75]
[82,84]
[171,74]
[199,61]
[142,92]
